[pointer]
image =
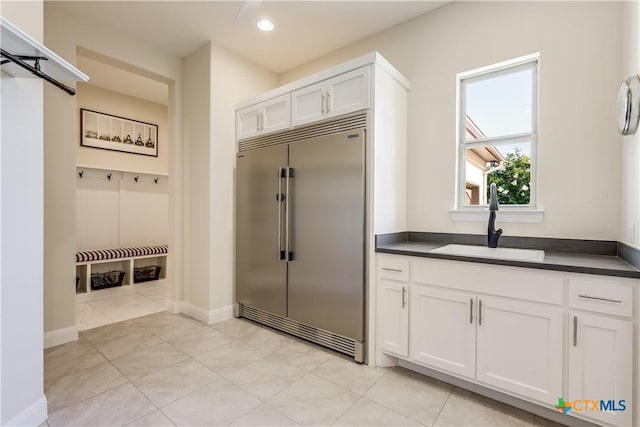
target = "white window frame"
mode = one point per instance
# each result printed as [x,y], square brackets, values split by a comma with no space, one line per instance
[470,213]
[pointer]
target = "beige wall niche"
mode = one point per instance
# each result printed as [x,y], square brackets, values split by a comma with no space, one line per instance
[117,104]
[68,36]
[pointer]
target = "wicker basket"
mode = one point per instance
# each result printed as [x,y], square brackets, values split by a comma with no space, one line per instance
[109,279]
[146,274]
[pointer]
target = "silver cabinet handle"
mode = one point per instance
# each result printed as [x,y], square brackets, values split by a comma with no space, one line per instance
[404,291]
[328,101]
[261,121]
[280,198]
[322,102]
[395,270]
[470,310]
[480,312]
[258,121]
[575,331]
[600,298]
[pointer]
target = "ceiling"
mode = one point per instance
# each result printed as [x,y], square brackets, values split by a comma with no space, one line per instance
[107,76]
[304,30]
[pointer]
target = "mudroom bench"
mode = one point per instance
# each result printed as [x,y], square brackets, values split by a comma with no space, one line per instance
[115,271]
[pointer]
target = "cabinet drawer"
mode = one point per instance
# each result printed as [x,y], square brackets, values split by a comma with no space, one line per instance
[394,268]
[509,282]
[602,296]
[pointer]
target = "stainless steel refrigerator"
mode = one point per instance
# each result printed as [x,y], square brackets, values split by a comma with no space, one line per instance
[300,237]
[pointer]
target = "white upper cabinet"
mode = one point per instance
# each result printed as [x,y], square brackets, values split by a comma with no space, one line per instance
[348,92]
[343,89]
[276,114]
[247,122]
[309,104]
[336,96]
[268,116]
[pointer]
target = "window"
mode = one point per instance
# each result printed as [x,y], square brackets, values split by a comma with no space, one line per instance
[497,134]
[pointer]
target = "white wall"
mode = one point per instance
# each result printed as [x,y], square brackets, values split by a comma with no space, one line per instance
[233,79]
[215,80]
[117,104]
[120,212]
[630,212]
[22,401]
[580,67]
[66,34]
[197,143]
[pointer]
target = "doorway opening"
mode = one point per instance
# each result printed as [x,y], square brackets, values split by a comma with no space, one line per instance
[122,191]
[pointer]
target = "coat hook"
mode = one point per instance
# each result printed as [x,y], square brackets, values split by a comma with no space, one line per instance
[81,173]
[136,178]
[109,176]
[156,180]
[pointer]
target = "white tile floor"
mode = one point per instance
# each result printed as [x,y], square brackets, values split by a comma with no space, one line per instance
[166,369]
[105,311]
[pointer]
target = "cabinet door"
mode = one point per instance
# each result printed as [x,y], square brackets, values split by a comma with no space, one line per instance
[348,92]
[247,122]
[393,317]
[276,114]
[519,347]
[308,104]
[600,363]
[443,329]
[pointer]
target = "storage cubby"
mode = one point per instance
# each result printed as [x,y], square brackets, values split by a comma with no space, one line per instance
[85,269]
[160,261]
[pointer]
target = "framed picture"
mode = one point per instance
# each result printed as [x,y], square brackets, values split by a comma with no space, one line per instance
[99,130]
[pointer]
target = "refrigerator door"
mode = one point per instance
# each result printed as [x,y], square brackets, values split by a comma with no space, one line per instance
[261,271]
[326,233]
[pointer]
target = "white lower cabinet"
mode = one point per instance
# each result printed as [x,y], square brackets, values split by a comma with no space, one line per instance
[443,333]
[538,336]
[498,341]
[519,347]
[393,310]
[601,366]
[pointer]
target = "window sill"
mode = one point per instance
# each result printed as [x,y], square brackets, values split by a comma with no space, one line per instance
[531,216]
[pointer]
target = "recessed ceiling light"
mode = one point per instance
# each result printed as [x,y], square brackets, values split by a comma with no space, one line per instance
[265,25]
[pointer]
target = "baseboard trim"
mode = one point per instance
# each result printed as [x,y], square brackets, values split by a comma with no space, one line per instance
[174,307]
[33,415]
[221,314]
[60,336]
[207,316]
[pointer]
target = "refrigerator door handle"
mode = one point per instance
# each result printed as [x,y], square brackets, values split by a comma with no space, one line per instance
[287,226]
[280,197]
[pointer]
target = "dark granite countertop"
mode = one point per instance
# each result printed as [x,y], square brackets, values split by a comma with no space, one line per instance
[603,260]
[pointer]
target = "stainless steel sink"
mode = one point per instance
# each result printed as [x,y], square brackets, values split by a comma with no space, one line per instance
[511,254]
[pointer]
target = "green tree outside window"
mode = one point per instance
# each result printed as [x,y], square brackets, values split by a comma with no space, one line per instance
[513,180]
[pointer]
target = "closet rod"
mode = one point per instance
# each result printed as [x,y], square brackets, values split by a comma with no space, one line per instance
[36,70]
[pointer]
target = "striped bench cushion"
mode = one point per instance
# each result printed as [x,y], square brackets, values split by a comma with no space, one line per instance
[106,254]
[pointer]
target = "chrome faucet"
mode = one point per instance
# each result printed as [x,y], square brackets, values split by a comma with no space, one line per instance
[492,234]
